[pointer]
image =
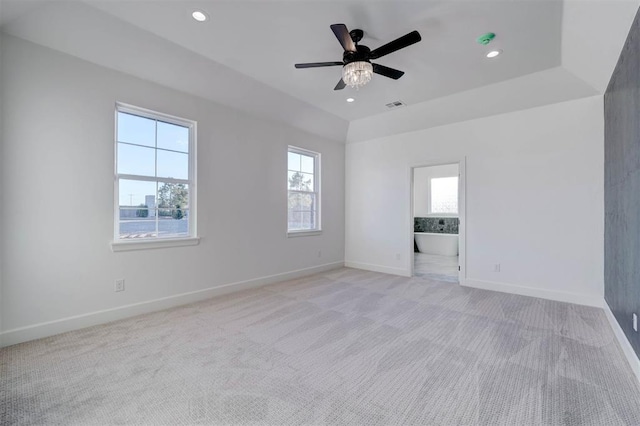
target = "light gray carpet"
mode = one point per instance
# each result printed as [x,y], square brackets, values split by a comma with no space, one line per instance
[344,347]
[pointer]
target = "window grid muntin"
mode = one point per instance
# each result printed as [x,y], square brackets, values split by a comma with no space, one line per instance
[150,147]
[315,191]
[190,182]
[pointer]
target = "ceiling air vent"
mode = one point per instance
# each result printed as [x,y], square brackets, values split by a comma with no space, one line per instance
[395,104]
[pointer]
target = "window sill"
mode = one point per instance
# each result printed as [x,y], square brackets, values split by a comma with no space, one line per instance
[153,244]
[303,233]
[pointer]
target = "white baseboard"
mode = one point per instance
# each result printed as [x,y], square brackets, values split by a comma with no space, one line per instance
[50,328]
[559,296]
[627,349]
[377,268]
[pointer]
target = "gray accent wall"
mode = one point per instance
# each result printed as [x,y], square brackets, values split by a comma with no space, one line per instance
[622,187]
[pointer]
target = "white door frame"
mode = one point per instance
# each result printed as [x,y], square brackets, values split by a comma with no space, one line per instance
[462,212]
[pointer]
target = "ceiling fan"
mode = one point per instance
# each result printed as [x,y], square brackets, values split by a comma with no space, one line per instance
[357,68]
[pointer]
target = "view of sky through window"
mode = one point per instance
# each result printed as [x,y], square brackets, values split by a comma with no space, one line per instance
[153,177]
[302,186]
[140,153]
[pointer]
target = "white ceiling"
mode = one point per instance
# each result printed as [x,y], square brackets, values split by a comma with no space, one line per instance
[264,39]
[244,55]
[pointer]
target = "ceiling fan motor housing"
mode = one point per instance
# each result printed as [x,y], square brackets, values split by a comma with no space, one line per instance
[361,54]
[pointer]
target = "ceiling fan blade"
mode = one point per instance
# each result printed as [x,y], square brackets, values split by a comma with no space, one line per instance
[318,64]
[397,44]
[387,72]
[341,85]
[342,34]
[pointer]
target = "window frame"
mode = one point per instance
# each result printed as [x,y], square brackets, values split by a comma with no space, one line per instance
[430,202]
[120,244]
[316,190]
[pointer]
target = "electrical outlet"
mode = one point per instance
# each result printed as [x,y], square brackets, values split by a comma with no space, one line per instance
[119,285]
[496,267]
[319,253]
[635,322]
[398,257]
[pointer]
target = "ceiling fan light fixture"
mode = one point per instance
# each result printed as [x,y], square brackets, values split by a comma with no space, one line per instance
[357,74]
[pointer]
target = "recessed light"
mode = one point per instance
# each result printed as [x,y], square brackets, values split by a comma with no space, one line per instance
[199,16]
[350,100]
[494,53]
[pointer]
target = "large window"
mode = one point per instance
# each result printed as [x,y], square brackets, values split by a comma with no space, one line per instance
[303,183]
[155,179]
[444,195]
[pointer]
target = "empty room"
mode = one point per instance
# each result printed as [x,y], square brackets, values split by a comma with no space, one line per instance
[318,212]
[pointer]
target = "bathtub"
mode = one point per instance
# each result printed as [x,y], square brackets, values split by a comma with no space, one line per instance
[442,244]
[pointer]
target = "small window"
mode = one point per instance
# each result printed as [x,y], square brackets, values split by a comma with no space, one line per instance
[303,184]
[155,180]
[444,195]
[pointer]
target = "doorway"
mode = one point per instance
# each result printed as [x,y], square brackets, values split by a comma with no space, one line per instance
[437,221]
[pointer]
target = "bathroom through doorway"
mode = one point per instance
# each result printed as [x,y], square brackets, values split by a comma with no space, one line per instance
[436,212]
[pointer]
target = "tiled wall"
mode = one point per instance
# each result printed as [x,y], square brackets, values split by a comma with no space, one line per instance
[436,225]
[622,187]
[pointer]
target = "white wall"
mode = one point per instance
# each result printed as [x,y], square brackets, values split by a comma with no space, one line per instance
[422,186]
[58,191]
[1,173]
[534,199]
